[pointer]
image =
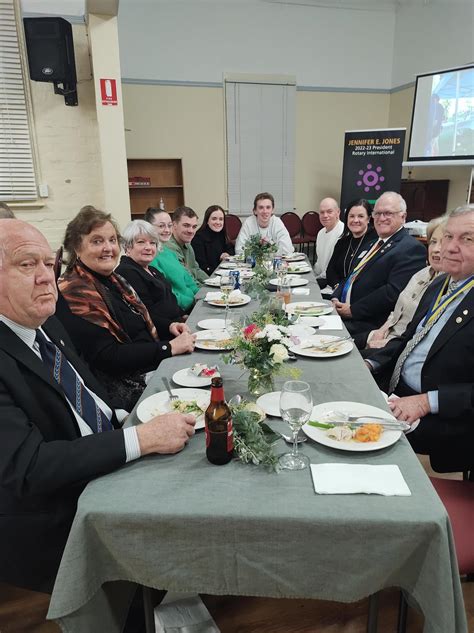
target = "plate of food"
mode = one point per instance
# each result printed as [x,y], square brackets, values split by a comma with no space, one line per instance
[299,268]
[232,264]
[212,324]
[309,308]
[368,434]
[214,340]
[198,375]
[292,281]
[215,282]
[294,257]
[234,300]
[323,346]
[270,403]
[245,273]
[193,401]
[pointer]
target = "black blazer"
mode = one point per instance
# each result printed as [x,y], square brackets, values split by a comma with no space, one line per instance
[155,292]
[376,290]
[340,263]
[208,247]
[448,368]
[44,461]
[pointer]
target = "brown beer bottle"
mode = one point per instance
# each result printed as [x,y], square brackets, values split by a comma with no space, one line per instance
[219,432]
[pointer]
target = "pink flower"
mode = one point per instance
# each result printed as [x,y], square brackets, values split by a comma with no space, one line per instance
[250,331]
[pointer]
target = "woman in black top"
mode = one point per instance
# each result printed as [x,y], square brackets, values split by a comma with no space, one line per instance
[210,243]
[103,314]
[140,243]
[354,242]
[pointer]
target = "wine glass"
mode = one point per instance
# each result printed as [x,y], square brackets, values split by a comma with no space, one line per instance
[227,285]
[296,404]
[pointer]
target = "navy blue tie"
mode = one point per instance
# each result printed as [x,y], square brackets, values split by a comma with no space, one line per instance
[64,374]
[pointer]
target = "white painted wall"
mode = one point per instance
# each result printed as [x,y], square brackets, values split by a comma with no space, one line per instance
[432,37]
[199,41]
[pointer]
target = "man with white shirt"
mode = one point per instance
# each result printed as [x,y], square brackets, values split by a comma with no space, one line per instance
[57,431]
[431,366]
[333,228]
[369,293]
[265,224]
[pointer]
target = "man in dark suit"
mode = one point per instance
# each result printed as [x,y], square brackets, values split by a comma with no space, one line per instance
[432,365]
[368,295]
[53,439]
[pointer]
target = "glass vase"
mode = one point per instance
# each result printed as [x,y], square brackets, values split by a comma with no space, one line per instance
[260,382]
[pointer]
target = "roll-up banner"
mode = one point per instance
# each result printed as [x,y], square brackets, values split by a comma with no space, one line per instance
[372,164]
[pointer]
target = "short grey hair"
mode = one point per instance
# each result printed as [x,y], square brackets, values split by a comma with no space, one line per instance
[397,196]
[462,210]
[433,225]
[136,229]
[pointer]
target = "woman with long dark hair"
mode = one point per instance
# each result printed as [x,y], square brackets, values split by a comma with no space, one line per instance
[210,244]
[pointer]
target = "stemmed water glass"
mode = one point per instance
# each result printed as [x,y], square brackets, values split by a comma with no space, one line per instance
[296,404]
[227,285]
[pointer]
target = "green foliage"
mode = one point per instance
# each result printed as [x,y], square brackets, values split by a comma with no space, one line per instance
[250,443]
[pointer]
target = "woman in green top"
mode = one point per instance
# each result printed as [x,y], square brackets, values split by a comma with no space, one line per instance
[166,261]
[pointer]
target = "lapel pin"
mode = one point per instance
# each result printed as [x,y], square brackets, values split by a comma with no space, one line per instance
[459,320]
[465,312]
[62,342]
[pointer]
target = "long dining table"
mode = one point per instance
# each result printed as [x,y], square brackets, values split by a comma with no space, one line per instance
[176,522]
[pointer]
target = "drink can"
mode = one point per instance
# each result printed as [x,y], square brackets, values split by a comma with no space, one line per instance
[250,260]
[277,263]
[235,274]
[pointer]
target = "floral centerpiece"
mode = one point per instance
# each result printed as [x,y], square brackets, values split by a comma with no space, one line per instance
[260,248]
[262,348]
[262,251]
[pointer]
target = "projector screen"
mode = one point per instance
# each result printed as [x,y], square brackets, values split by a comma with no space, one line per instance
[442,124]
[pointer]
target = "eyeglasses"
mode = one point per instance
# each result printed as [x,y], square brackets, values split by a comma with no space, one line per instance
[387,214]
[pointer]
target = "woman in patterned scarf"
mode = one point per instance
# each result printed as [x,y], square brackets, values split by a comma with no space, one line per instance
[105,317]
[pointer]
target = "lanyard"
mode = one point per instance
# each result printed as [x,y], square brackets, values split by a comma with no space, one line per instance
[442,301]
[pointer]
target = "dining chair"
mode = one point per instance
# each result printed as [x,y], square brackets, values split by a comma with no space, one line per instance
[293,225]
[311,226]
[458,499]
[233,224]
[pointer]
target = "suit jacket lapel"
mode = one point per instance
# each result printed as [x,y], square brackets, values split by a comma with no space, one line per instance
[15,347]
[460,317]
[389,244]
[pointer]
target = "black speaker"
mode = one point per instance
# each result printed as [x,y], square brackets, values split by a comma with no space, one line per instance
[50,50]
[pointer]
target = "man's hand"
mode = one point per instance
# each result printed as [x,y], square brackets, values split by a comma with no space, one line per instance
[167,433]
[178,328]
[183,343]
[343,309]
[378,335]
[410,408]
[224,256]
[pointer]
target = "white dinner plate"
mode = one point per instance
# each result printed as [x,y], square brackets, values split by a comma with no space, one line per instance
[320,339]
[212,324]
[310,308]
[215,282]
[214,340]
[186,378]
[231,265]
[299,269]
[245,273]
[294,257]
[270,403]
[311,321]
[291,280]
[160,403]
[243,300]
[353,408]
[300,330]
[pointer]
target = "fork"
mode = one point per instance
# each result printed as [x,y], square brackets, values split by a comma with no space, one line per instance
[168,389]
[385,422]
[324,346]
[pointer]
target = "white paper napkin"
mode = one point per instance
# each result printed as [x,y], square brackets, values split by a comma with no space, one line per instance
[331,322]
[347,479]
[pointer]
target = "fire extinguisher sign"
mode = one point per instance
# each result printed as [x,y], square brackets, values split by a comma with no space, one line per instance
[108,92]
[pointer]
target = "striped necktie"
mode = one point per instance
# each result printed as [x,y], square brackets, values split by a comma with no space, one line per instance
[413,342]
[64,374]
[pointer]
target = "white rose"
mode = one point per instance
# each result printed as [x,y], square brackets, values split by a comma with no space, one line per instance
[278,352]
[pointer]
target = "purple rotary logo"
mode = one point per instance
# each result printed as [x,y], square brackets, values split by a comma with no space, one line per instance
[370,178]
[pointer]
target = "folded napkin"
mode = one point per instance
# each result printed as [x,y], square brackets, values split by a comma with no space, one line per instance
[331,322]
[346,479]
[300,291]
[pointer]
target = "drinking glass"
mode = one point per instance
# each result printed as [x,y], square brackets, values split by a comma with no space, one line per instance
[227,285]
[296,404]
[284,289]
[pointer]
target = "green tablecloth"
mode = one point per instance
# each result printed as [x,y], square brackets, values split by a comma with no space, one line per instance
[179,523]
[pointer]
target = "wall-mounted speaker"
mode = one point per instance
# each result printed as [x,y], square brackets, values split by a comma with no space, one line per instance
[50,48]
